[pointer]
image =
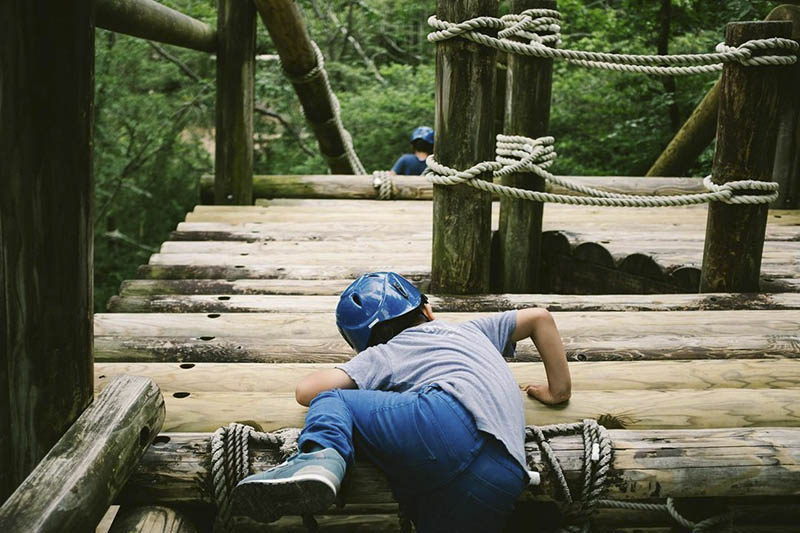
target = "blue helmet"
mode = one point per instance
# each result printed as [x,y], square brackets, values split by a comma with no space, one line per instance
[423,132]
[373,298]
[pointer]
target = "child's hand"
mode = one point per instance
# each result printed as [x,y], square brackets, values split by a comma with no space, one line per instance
[543,394]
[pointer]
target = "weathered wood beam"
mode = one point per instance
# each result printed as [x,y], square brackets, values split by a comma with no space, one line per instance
[586,376]
[151,519]
[71,488]
[746,133]
[647,464]
[529,85]
[46,240]
[233,164]
[786,170]
[152,20]
[285,25]
[462,215]
[242,299]
[312,337]
[419,188]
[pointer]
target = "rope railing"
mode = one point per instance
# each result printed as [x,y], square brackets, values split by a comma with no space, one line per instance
[516,153]
[536,32]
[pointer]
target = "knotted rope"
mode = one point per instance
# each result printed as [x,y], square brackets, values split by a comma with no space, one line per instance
[382,181]
[536,32]
[230,461]
[516,153]
[319,72]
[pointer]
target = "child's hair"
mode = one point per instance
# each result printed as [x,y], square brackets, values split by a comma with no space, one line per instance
[421,146]
[383,332]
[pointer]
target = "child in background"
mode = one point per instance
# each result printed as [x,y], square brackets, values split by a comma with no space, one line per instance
[414,164]
[434,405]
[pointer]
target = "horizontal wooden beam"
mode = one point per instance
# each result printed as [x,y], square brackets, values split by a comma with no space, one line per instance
[80,477]
[628,409]
[154,21]
[229,302]
[313,337]
[420,188]
[646,464]
[586,376]
[151,519]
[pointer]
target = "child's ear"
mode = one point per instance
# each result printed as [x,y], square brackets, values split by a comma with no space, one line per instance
[427,310]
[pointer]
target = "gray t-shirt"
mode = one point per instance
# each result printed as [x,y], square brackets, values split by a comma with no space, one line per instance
[464,360]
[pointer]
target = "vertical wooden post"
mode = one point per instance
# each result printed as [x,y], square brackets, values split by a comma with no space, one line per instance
[787,152]
[236,33]
[46,238]
[746,131]
[527,112]
[465,117]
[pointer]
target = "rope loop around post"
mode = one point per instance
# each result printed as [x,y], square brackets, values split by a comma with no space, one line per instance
[537,32]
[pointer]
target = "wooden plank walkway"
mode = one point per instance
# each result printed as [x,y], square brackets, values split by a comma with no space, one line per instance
[238,305]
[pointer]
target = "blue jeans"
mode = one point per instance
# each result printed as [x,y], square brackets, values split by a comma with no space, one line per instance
[448,475]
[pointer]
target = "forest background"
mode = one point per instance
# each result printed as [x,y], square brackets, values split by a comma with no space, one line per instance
[154,104]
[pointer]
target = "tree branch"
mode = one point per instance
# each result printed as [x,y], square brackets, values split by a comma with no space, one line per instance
[180,64]
[285,123]
[357,47]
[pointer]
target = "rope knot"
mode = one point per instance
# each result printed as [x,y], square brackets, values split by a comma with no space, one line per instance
[760,52]
[743,191]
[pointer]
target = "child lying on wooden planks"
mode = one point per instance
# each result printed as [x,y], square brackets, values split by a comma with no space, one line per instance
[433,404]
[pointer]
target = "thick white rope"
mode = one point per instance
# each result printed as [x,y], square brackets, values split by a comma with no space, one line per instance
[319,72]
[536,32]
[516,153]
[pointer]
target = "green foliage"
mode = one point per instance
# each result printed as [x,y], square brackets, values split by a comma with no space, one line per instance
[154,105]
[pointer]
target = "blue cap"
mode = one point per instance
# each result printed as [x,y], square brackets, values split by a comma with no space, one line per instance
[371,299]
[423,132]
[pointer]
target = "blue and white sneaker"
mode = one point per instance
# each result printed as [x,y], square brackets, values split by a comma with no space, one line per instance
[306,483]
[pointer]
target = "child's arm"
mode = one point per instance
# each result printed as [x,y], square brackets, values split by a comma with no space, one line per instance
[322,380]
[538,324]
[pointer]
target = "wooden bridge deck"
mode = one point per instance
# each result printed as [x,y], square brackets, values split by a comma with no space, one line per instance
[237,287]
[258,284]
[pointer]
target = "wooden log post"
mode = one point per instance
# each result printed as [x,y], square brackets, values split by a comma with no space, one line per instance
[46,189]
[152,20]
[151,519]
[646,464]
[82,474]
[529,86]
[786,171]
[746,131]
[285,25]
[233,169]
[465,118]
[699,129]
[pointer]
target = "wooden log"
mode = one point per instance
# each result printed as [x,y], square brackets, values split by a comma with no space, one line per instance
[786,171]
[151,519]
[748,111]
[529,85]
[233,162]
[586,376]
[462,215]
[286,271]
[689,142]
[285,25]
[646,464]
[312,337]
[268,302]
[71,488]
[154,21]
[46,240]
[419,188]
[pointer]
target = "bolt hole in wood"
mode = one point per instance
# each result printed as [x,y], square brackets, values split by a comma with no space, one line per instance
[580,357]
[161,440]
[244,253]
[238,266]
[213,315]
[101,377]
[223,298]
[180,394]
[187,365]
[207,338]
[144,436]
